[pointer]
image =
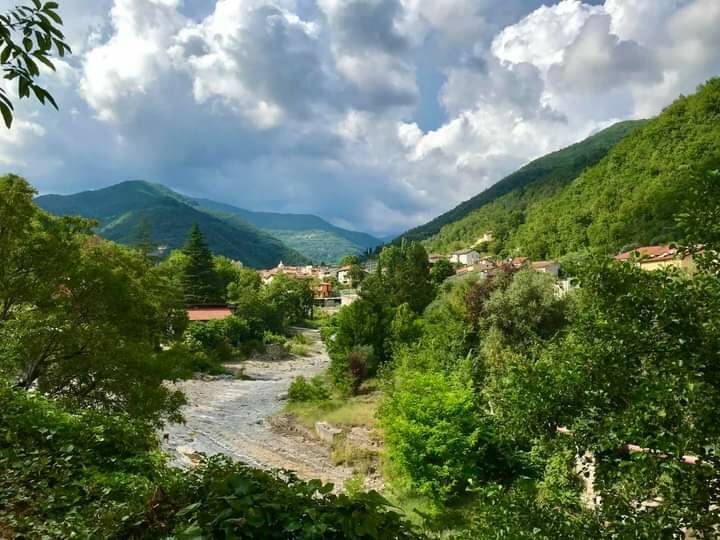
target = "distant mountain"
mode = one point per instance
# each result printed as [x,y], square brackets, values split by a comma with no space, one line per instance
[630,196]
[544,175]
[122,208]
[310,235]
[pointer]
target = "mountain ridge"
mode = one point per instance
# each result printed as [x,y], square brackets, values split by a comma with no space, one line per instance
[120,210]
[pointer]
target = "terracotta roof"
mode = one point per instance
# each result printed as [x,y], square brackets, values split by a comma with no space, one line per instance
[208,313]
[543,264]
[649,253]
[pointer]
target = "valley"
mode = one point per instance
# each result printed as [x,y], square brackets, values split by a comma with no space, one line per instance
[241,418]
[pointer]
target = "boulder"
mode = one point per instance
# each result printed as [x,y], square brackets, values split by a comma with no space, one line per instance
[327,433]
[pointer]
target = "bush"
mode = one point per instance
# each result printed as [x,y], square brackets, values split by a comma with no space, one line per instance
[358,366]
[436,436]
[235,501]
[299,350]
[301,390]
[349,369]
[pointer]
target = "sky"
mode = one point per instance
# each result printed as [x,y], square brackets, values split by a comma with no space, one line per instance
[377,115]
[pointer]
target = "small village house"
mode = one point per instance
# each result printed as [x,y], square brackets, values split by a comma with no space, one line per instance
[465,257]
[518,262]
[343,275]
[323,291]
[208,313]
[547,267]
[657,257]
[434,257]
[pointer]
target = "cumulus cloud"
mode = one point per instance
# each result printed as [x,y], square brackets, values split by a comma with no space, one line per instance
[312,105]
[598,60]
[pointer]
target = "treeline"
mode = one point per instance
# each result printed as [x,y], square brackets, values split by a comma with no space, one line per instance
[90,335]
[499,393]
[629,198]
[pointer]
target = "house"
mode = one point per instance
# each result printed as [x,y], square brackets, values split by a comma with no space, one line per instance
[323,290]
[656,257]
[299,272]
[348,296]
[208,313]
[343,275]
[465,257]
[370,266]
[547,267]
[435,257]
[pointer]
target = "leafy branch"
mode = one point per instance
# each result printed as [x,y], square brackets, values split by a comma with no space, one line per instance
[29,35]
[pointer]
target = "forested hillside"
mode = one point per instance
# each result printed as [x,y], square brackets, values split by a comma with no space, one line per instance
[122,210]
[310,235]
[540,178]
[627,198]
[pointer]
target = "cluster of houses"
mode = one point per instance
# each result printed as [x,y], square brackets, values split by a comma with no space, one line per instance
[466,261]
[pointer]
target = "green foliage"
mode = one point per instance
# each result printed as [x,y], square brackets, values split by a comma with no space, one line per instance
[80,318]
[29,34]
[310,235]
[302,391]
[240,502]
[406,275]
[630,197]
[200,281]
[435,433]
[87,474]
[440,271]
[290,298]
[84,474]
[538,179]
[121,208]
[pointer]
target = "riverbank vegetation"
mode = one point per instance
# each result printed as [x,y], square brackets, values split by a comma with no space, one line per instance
[90,335]
[501,396]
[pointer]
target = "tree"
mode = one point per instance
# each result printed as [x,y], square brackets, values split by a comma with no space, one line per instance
[406,275]
[349,260]
[143,238]
[290,298]
[200,281]
[29,34]
[440,271]
[82,319]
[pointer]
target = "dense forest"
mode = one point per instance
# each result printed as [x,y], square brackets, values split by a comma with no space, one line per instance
[537,179]
[122,209]
[630,197]
[512,411]
[258,239]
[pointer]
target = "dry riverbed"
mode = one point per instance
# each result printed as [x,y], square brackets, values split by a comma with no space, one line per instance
[238,418]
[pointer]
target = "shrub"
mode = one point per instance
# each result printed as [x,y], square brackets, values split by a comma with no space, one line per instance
[436,436]
[270,338]
[301,390]
[236,501]
[299,349]
[358,366]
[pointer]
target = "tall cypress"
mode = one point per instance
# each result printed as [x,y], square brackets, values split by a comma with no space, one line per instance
[200,281]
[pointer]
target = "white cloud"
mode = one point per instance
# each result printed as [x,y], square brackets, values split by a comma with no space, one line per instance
[308,106]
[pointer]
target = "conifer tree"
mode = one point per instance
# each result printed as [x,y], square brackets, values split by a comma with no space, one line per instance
[200,282]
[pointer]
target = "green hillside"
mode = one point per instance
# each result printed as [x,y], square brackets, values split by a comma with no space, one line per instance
[629,197]
[310,235]
[121,209]
[545,174]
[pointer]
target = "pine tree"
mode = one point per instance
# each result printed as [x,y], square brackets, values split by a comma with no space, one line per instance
[200,281]
[143,239]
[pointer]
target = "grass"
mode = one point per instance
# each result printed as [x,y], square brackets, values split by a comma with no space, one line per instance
[353,412]
[299,349]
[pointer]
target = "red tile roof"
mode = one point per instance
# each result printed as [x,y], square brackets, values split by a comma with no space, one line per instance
[649,253]
[208,313]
